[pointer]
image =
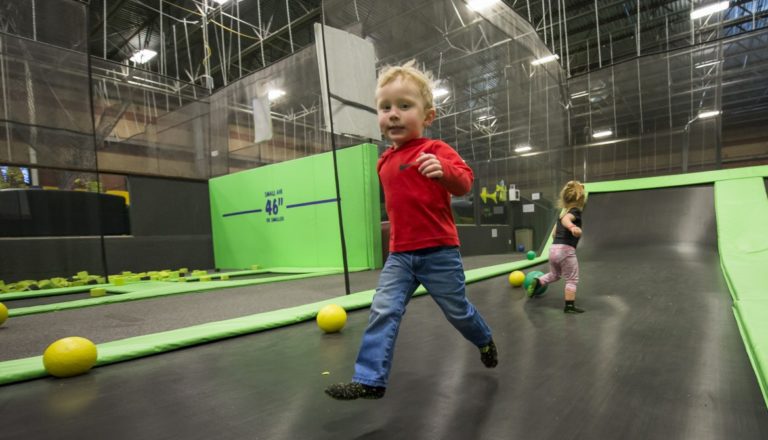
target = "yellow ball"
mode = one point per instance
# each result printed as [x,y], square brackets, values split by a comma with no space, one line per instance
[69,357]
[516,278]
[3,313]
[331,318]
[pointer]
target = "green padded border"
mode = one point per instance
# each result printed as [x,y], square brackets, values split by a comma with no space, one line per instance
[751,318]
[159,289]
[742,207]
[131,348]
[677,179]
[49,292]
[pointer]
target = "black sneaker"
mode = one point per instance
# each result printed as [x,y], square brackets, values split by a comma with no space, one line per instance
[573,309]
[532,287]
[489,355]
[354,390]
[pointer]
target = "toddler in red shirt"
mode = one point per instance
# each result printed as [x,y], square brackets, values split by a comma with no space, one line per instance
[418,176]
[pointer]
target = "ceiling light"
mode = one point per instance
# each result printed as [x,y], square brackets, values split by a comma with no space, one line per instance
[275,94]
[439,92]
[143,56]
[602,133]
[545,59]
[484,117]
[523,149]
[707,63]
[479,5]
[579,94]
[708,114]
[709,10]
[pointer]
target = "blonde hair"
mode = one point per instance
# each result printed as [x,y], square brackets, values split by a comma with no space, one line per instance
[572,195]
[409,72]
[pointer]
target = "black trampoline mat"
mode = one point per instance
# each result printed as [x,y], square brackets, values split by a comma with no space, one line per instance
[657,355]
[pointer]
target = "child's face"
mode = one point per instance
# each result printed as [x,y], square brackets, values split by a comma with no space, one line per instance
[400,107]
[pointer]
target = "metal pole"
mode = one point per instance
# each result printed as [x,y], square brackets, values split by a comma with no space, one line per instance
[333,148]
[290,33]
[567,49]
[105,29]
[597,27]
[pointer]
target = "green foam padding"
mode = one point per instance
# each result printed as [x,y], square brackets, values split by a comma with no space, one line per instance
[48,292]
[139,287]
[742,210]
[283,270]
[140,346]
[676,179]
[742,207]
[304,232]
[752,316]
[161,289]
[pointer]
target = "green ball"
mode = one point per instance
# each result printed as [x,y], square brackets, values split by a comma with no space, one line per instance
[529,279]
[531,255]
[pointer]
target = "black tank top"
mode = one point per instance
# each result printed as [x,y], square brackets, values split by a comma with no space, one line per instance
[564,236]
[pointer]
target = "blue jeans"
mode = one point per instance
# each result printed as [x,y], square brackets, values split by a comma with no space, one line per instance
[442,274]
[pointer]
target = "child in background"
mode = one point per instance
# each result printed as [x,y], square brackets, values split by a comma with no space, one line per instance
[418,176]
[562,252]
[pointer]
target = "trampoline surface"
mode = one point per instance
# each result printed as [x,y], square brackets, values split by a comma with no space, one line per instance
[656,355]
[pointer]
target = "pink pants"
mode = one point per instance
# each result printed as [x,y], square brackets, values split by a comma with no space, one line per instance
[562,264]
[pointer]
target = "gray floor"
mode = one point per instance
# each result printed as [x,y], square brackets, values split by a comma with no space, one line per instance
[657,355]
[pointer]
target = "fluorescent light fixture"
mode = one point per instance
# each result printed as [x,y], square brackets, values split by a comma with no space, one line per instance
[709,10]
[143,56]
[479,5]
[439,92]
[707,63]
[523,149]
[602,133]
[579,94]
[483,117]
[708,114]
[545,59]
[275,94]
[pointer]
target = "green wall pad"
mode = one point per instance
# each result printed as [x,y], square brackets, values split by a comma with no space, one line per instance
[286,214]
[752,316]
[742,210]
[676,180]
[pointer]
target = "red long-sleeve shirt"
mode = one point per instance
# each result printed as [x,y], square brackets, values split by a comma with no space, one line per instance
[419,208]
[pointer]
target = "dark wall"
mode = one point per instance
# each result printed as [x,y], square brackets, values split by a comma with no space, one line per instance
[38,213]
[540,220]
[170,228]
[169,207]
[480,240]
[65,256]
[475,240]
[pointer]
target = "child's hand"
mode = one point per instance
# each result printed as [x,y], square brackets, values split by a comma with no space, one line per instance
[430,166]
[576,231]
